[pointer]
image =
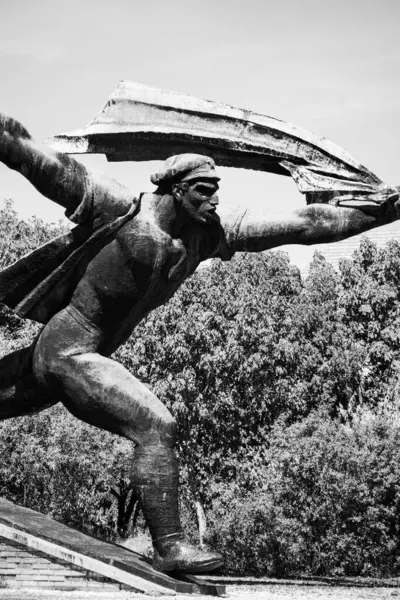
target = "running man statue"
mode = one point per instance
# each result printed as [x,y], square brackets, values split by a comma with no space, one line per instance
[91,287]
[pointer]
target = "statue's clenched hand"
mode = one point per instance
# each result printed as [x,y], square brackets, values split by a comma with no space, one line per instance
[383,206]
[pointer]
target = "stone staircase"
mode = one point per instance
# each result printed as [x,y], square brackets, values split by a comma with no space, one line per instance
[37,551]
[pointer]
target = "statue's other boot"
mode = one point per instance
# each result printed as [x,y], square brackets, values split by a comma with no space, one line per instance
[155,480]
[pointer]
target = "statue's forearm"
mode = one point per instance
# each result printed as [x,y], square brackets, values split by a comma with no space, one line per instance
[324,224]
[330,224]
[57,176]
[315,224]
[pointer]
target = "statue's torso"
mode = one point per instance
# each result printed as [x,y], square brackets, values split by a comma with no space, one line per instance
[137,272]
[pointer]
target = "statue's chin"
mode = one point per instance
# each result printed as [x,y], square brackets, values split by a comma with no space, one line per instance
[202,219]
[211,217]
[206,218]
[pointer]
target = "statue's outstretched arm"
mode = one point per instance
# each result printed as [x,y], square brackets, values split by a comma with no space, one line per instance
[246,231]
[85,195]
[57,176]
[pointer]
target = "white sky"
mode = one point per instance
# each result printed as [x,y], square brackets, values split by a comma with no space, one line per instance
[332,67]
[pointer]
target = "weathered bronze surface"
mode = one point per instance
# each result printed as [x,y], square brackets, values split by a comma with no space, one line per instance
[127,256]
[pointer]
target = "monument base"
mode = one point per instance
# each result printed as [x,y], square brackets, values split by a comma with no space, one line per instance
[37,551]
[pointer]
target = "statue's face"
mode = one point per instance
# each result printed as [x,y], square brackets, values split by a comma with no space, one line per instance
[199,199]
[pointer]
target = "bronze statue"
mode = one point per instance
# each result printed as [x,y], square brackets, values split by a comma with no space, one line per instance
[92,286]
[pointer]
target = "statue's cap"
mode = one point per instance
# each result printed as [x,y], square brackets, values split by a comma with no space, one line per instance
[184,167]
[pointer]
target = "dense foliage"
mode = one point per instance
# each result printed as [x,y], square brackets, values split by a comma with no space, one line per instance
[59,466]
[286,396]
[325,501]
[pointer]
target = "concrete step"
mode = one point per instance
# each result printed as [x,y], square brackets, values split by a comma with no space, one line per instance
[42,536]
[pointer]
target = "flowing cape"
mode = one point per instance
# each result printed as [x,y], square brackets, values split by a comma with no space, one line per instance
[41,283]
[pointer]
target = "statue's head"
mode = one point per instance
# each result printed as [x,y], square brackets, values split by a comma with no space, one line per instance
[193,182]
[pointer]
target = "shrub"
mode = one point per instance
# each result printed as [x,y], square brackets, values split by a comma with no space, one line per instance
[327,502]
[76,473]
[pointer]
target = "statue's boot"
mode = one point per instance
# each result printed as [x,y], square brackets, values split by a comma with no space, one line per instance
[155,480]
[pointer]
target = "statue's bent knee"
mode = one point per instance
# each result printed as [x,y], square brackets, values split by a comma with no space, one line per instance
[48,364]
[163,431]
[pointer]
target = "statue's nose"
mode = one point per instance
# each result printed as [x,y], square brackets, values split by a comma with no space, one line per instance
[214,200]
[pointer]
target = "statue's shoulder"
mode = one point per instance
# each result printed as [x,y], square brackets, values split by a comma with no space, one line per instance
[230,219]
[231,216]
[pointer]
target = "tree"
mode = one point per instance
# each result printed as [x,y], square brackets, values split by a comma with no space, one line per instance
[58,465]
[370,308]
[18,237]
[326,502]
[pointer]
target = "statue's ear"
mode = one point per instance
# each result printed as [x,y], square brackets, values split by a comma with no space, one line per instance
[177,191]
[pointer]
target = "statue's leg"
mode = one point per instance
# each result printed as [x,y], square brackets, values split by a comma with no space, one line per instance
[103,393]
[19,393]
[155,479]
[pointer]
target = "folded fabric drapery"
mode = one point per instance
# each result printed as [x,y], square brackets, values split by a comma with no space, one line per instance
[142,123]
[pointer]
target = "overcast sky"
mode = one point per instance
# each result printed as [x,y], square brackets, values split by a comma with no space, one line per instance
[330,67]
